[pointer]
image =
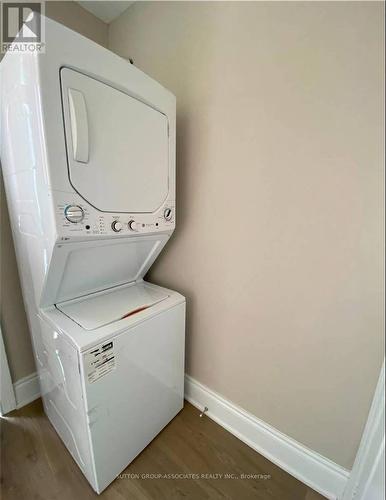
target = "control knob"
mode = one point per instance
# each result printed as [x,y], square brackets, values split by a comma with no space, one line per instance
[168,213]
[132,225]
[116,226]
[74,213]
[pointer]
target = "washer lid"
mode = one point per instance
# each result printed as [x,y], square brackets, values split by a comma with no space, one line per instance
[80,268]
[103,308]
[117,146]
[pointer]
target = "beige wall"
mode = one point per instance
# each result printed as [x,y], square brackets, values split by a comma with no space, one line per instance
[72,15]
[13,320]
[278,246]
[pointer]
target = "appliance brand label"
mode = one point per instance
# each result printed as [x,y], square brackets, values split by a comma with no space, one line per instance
[99,361]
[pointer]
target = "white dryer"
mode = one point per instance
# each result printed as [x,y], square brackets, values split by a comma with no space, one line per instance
[88,157]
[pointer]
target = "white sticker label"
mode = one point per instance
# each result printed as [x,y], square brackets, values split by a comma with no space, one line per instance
[99,361]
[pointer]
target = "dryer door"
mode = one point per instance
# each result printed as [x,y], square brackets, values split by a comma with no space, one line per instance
[117,146]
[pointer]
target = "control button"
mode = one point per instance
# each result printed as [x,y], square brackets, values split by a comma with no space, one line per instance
[74,213]
[133,225]
[116,226]
[168,213]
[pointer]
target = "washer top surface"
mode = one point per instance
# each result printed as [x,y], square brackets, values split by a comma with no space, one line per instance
[106,307]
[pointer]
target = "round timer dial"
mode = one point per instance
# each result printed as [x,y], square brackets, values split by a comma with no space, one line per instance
[74,213]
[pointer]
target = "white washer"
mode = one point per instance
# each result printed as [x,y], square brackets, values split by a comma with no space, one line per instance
[88,157]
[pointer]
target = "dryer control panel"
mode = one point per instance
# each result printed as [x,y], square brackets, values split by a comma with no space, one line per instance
[76,218]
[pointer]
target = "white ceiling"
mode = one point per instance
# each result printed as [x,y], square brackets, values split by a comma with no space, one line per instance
[106,10]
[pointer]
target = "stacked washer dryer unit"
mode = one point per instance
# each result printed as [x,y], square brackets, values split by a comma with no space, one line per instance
[88,157]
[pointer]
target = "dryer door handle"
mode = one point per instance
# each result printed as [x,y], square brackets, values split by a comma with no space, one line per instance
[79,125]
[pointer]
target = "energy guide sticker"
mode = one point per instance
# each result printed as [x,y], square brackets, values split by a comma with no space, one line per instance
[99,361]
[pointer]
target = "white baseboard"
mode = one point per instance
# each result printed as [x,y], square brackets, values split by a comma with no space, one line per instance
[27,390]
[316,471]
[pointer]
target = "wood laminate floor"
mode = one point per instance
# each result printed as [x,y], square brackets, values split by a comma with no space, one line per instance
[36,465]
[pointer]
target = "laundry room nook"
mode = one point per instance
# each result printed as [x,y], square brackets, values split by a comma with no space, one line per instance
[192,250]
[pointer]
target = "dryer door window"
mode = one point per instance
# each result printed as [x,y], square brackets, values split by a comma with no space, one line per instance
[117,146]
